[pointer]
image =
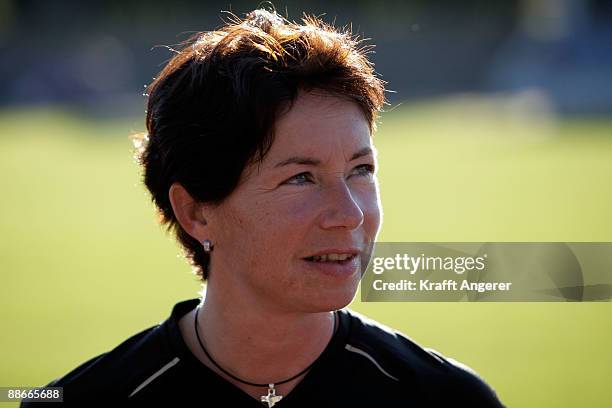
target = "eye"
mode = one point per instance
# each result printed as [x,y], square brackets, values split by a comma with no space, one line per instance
[299,177]
[365,169]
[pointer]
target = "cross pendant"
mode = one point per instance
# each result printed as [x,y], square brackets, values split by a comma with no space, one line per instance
[271,399]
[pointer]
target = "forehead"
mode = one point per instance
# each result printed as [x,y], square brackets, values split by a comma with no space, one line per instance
[320,121]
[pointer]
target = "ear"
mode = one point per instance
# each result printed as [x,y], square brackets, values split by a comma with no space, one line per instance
[188,211]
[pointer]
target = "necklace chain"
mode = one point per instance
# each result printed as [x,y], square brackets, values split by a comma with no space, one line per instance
[241,380]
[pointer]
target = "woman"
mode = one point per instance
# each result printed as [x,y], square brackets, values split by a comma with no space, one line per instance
[259,157]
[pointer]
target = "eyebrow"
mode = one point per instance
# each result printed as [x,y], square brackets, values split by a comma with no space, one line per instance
[309,161]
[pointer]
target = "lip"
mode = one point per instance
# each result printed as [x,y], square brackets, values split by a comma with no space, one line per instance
[337,269]
[352,251]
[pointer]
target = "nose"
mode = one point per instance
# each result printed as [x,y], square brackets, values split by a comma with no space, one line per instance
[342,211]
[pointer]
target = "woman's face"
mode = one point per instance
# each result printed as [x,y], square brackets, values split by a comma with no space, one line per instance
[314,192]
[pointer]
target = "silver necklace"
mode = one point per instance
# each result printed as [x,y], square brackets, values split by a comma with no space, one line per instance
[271,398]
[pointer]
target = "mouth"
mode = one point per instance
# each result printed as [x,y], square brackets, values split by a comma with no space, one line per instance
[336,265]
[331,258]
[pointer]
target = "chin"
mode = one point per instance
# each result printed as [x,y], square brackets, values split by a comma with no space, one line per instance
[334,299]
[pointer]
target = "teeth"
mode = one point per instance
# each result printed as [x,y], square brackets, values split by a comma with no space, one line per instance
[331,257]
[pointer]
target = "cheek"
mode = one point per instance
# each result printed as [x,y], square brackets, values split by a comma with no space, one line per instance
[291,209]
[293,214]
[369,202]
[276,223]
[280,222]
[372,219]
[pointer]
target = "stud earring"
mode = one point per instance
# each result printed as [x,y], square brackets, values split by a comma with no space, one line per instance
[208,246]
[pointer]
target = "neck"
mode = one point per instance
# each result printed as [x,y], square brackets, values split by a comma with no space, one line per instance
[260,345]
[255,343]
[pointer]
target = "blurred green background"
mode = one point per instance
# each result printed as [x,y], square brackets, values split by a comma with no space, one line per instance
[499,129]
[84,264]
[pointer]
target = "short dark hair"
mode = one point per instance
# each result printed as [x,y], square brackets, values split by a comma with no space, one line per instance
[211,111]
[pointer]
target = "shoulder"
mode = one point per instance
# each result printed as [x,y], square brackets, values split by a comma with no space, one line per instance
[437,378]
[112,374]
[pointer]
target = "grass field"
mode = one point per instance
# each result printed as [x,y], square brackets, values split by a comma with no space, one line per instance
[83,264]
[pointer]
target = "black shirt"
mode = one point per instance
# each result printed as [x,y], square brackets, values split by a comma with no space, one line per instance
[366,364]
